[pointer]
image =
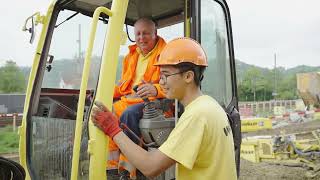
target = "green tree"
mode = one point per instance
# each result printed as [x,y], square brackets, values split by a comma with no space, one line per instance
[250,84]
[255,85]
[12,79]
[288,87]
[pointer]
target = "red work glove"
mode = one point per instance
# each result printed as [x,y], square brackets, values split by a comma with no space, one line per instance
[105,120]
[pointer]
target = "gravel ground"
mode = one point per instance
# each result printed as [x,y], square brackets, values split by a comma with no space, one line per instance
[266,171]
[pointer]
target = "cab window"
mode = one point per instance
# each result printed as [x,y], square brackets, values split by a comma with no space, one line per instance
[214,39]
[68,47]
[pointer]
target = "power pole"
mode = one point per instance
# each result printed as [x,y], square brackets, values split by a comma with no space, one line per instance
[79,43]
[275,77]
[254,89]
[264,93]
[78,59]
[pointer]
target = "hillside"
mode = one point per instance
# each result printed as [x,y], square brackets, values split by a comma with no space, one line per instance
[242,68]
[254,82]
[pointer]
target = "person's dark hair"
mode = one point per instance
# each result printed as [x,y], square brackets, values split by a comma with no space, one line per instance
[197,70]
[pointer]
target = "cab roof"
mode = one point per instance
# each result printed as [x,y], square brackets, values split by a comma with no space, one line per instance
[162,12]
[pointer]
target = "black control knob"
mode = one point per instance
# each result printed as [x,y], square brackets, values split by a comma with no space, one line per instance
[135,88]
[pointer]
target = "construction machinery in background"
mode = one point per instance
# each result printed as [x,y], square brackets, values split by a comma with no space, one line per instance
[57,138]
[255,124]
[301,149]
[296,150]
[308,85]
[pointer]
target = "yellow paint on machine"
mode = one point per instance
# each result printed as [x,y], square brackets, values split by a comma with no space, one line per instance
[255,124]
[257,148]
[249,151]
[44,20]
[316,116]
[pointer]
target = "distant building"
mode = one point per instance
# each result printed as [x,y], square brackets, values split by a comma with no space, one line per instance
[11,103]
[65,85]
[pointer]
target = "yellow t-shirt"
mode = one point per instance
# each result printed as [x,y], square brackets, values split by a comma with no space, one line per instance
[142,65]
[202,143]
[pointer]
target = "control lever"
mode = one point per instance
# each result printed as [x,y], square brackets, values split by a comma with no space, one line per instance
[125,127]
[135,88]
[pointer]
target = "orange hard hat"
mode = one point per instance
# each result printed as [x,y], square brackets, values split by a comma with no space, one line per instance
[182,50]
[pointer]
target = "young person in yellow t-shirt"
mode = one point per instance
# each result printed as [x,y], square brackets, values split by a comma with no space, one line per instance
[201,144]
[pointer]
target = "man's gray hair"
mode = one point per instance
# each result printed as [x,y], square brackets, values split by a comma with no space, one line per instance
[147,21]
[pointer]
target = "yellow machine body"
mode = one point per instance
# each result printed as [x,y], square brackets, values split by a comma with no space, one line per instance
[255,124]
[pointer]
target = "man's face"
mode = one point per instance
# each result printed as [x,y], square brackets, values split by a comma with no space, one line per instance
[172,82]
[145,36]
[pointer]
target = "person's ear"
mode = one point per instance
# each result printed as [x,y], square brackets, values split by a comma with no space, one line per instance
[189,76]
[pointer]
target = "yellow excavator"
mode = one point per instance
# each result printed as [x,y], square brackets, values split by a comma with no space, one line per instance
[308,85]
[57,138]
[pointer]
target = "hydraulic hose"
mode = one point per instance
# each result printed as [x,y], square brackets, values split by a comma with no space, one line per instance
[301,153]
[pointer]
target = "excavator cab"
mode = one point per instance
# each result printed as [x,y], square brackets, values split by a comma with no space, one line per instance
[57,138]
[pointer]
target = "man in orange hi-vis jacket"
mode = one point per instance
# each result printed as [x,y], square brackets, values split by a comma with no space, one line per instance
[137,69]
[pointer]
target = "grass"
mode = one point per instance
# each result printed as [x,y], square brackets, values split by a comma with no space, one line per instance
[9,140]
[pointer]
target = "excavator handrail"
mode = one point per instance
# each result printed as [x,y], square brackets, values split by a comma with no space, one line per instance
[83,90]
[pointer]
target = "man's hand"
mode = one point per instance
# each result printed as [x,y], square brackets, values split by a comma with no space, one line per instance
[146,90]
[105,120]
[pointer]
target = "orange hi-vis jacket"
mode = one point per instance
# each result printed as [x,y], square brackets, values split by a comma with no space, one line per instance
[152,74]
[129,64]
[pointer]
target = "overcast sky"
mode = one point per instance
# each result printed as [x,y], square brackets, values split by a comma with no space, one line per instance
[261,28]
[289,28]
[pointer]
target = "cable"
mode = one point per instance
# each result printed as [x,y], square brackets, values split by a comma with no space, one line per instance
[128,34]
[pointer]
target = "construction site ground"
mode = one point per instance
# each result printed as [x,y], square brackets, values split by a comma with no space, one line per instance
[266,171]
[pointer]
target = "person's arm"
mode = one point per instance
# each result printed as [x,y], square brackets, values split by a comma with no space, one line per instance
[150,164]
